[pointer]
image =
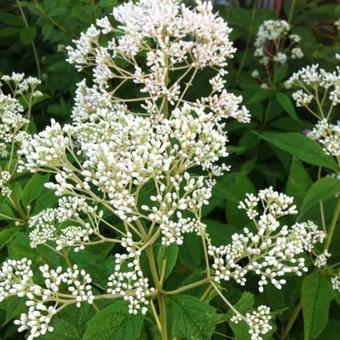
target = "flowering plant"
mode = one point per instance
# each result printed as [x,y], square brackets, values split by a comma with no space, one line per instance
[111,224]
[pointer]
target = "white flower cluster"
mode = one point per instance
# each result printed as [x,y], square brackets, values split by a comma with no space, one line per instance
[121,151]
[11,110]
[319,93]
[275,43]
[321,260]
[272,250]
[16,278]
[328,135]
[47,224]
[173,38]
[5,177]
[258,322]
[335,281]
[128,279]
[312,79]
[170,204]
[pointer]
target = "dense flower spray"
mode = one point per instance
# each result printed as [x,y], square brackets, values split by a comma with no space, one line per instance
[319,93]
[136,172]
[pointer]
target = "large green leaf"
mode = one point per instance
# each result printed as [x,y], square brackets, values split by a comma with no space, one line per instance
[316,297]
[114,322]
[322,189]
[301,147]
[190,318]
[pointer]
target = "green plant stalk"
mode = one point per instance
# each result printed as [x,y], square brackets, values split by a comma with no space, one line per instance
[291,320]
[245,55]
[332,226]
[35,53]
[291,10]
[160,296]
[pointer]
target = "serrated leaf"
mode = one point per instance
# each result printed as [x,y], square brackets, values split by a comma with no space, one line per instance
[321,190]
[114,322]
[316,296]
[301,147]
[191,318]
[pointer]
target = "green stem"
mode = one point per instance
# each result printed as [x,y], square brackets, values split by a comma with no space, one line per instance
[189,286]
[163,317]
[16,205]
[291,10]
[291,320]
[160,297]
[245,55]
[332,226]
[34,49]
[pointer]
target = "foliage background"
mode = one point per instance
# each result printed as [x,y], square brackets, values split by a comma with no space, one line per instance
[268,151]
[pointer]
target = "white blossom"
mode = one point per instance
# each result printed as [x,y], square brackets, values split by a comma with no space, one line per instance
[328,135]
[258,322]
[273,250]
[272,42]
[5,177]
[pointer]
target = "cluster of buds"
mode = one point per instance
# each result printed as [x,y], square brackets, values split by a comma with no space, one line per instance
[318,91]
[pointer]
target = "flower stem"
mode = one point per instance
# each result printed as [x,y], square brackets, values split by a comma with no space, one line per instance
[291,320]
[332,226]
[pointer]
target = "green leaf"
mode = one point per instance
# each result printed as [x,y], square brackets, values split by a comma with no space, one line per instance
[244,305]
[167,255]
[299,180]
[62,329]
[258,96]
[237,192]
[114,322]
[301,147]
[191,318]
[6,234]
[13,307]
[316,297]
[220,233]
[190,253]
[27,35]
[286,103]
[33,188]
[10,19]
[8,31]
[321,190]
[44,201]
